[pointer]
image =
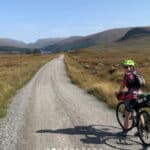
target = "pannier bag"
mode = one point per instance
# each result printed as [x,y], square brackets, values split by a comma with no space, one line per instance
[121,96]
[144,99]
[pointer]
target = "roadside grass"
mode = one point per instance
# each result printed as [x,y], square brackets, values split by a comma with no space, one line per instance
[16,71]
[100,72]
[102,89]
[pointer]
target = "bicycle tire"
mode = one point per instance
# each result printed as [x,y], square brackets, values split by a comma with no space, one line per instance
[144,132]
[120,114]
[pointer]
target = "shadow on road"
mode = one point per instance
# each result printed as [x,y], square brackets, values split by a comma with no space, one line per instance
[99,134]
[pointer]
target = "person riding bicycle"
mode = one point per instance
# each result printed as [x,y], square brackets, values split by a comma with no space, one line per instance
[132,92]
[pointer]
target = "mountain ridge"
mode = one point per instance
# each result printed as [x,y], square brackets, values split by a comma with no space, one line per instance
[136,32]
[87,41]
[77,42]
[40,43]
[12,43]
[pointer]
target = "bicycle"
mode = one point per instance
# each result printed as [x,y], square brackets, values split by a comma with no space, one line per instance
[139,111]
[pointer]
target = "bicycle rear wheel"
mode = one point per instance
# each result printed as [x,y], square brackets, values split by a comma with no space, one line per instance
[120,114]
[144,130]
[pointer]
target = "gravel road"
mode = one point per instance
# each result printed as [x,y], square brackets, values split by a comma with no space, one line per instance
[52,113]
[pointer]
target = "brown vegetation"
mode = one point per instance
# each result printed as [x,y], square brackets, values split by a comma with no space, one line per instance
[15,71]
[100,72]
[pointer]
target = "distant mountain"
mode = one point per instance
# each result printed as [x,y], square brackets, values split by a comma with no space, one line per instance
[135,37]
[134,33]
[108,35]
[74,43]
[44,42]
[70,43]
[12,43]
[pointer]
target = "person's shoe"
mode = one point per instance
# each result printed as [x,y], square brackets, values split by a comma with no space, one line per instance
[142,131]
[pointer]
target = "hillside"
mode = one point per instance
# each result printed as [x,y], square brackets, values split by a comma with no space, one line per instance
[12,43]
[122,38]
[136,39]
[87,41]
[135,33]
[44,42]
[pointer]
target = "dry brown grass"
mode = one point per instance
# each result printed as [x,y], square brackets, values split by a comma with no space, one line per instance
[100,72]
[15,71]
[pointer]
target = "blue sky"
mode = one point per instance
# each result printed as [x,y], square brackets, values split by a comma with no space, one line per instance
[29,20]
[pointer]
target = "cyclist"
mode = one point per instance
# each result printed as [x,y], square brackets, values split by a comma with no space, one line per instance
[132,92]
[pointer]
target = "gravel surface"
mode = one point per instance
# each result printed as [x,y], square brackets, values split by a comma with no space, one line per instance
[52,113]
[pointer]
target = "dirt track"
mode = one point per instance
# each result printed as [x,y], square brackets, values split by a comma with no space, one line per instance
[58,115]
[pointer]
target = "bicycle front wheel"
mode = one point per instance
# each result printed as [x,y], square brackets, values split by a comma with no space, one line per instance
[144,130]
[120,114]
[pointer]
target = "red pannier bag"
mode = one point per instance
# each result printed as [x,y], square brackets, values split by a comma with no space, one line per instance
[121,96]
